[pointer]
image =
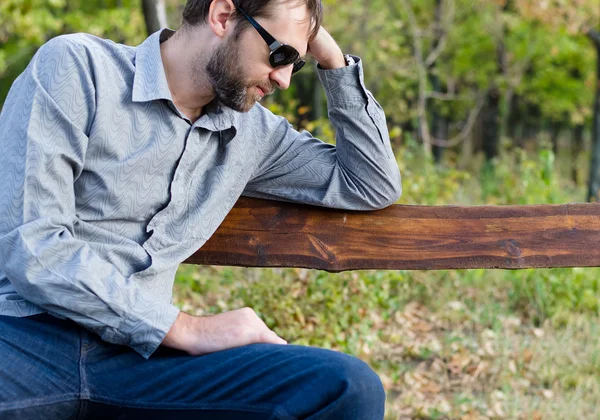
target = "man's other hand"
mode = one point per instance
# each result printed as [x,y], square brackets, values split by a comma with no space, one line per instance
[209,334]
[326,51]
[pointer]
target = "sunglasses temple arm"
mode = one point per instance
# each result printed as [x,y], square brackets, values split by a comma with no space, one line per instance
[272,42]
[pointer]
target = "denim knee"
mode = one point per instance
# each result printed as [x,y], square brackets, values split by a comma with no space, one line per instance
[360,385]
[335,386]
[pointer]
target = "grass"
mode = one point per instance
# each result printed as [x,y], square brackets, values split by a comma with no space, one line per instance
[446,344]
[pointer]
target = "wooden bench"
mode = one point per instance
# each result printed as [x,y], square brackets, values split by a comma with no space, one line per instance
[261,233]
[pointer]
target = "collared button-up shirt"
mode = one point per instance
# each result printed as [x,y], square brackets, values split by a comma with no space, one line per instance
[106,187]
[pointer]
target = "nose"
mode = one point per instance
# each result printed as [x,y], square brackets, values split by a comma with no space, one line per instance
[282,77]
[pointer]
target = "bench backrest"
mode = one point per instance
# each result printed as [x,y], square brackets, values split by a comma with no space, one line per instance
[261,233]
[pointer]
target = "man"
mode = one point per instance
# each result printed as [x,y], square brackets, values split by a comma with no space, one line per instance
[117,163]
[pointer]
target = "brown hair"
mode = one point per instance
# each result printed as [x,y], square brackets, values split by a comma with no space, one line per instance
[196,12]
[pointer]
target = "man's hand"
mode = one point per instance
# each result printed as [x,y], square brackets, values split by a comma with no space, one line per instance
[209,334]
[326,51]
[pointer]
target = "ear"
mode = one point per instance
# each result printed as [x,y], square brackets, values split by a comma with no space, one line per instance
[219,17]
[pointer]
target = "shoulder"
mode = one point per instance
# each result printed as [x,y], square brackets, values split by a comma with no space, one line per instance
[54,51]
[86,42]
[84,49]
[83,59]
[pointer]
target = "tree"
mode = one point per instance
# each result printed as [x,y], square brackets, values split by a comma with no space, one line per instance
[155,15]
[594,182]
[430,51]
[575,19]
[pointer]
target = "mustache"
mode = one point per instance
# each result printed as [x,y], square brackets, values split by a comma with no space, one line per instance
[266,87]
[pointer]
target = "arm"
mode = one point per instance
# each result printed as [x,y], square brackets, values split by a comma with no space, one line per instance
[359,173]
[43,144]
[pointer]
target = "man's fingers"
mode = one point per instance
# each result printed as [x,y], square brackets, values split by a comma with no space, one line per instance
[272,338]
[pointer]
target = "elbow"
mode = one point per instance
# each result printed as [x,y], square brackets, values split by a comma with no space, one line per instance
[394,194]
[397,191]
[380,198]
[368,193]
[390,197]
[391,191]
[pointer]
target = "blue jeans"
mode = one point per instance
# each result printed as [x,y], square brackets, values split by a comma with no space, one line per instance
[54,369]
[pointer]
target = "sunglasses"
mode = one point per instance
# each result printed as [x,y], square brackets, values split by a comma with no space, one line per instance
[282,55]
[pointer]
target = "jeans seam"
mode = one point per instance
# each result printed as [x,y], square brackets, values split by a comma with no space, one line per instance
[81,410]
[182,406]
[84,391]
[91,347]
[36,402]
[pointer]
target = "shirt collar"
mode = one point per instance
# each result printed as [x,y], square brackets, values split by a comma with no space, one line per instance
[221,117]
[150,81]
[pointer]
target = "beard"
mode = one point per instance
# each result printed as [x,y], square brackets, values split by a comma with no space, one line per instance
[226,75]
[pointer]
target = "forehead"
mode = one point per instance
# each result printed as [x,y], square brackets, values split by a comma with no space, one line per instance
[290,23]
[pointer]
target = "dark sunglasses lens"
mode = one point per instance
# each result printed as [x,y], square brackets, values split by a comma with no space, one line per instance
[283,56]
[298,66]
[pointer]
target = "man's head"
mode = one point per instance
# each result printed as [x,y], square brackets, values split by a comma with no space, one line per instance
[196,12]
[237,63]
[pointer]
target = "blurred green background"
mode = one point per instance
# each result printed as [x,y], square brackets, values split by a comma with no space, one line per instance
[488,102]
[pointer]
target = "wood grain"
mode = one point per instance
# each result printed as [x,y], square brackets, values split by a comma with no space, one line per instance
[261,233]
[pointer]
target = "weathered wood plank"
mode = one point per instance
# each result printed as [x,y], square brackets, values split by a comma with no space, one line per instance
[260,233]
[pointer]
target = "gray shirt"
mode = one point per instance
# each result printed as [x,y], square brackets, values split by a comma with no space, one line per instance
[105,187]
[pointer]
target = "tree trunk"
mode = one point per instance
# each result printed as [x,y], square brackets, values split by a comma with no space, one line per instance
[532,124]
[478,133]
[155,15]
[515,121]
[439,125]
[594,182]
[466,152]
[439,129]
[576,150]
[491,125]
[492,117]
[555,128]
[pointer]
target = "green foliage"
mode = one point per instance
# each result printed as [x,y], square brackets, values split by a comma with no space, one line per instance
[426,183]
[26,24]
[556,82]
[305,306]
[555,294]
[319,309]
[519,177]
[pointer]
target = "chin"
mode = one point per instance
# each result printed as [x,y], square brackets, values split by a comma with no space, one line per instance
[238,103]
[247,107]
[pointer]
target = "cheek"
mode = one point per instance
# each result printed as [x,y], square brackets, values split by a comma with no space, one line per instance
[254,57]
[254,72]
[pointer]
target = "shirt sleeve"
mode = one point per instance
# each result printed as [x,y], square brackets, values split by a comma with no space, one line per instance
[359,173]
[43,143]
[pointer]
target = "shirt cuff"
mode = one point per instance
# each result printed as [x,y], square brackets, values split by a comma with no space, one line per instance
[345,85]
[145,332]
